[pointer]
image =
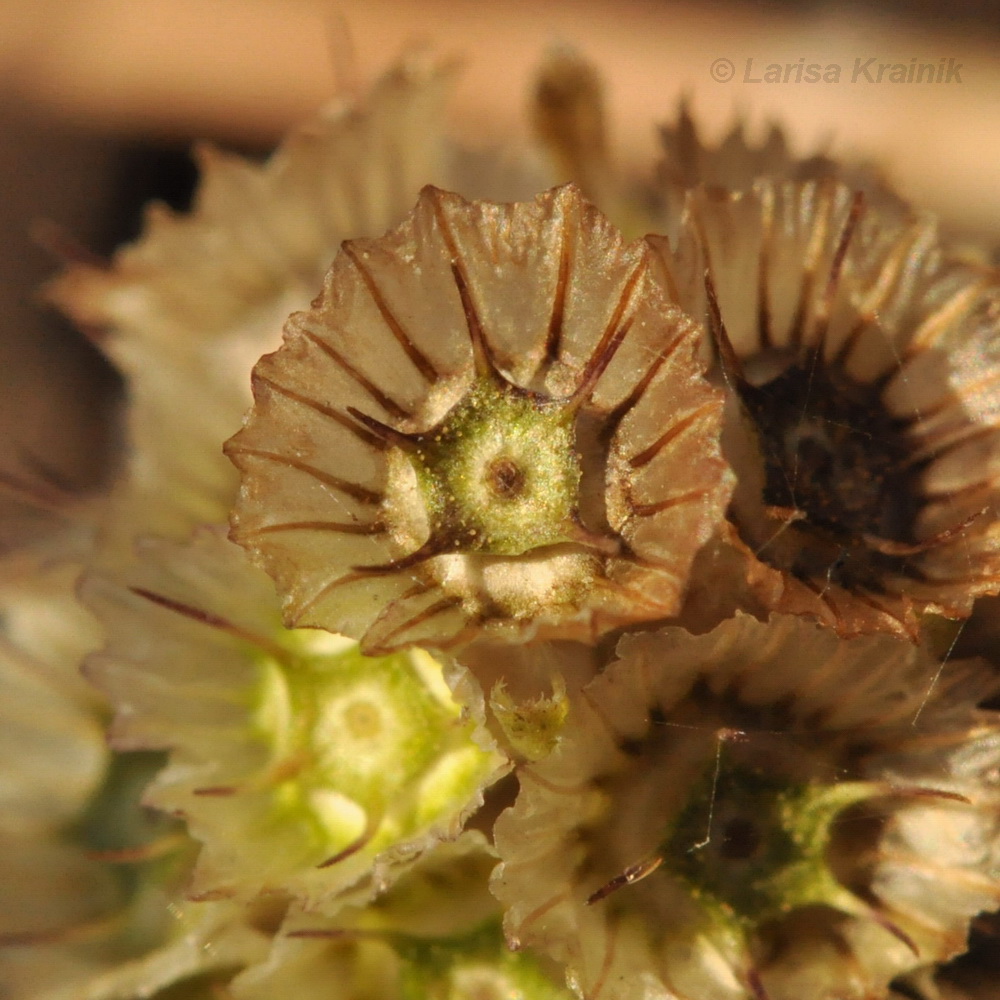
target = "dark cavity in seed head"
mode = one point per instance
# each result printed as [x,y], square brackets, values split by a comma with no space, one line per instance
[505,478]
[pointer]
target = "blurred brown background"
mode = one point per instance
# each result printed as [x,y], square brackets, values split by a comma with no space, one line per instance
[100,100]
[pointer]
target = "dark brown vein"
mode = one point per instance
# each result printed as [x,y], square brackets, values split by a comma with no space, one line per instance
[386,434]
[326,411]
[482,358]
[649,509]
[614,333]
[420,360]
[431,548]
[814,249]
[732,367]
[553,339]
[437,608]
[616,416]
[344,528]
[837,266]
[353,490]
[670,435]
[765,338]
[387,404]
[213,621]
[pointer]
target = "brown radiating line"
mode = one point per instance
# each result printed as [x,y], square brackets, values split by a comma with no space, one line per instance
[916,791]
[847,345]
[215,791]
[420,361]
[765,338]
[358,573]
[649,509]
[553,339]
[888,547]
[665,271]
[212,621]
[481,356]
[342,527]
[431,548]
[837,267]
[386,434]
[756,984]
[539,911]
[614,333]
[594,370]
[327,411]
[445,604]
[616,416]
[814,248]
[895,930]
[670,435]
[732,367]
[212,895]
[387,404]
[358,844]
[353,490]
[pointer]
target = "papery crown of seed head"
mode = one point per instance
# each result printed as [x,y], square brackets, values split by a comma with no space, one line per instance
[491,418]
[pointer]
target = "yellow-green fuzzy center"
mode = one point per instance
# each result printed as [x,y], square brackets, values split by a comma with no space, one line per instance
[357,740]
[500,474]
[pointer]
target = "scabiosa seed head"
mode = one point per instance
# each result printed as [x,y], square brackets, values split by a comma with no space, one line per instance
[490,419]
[864,427]
[301,765]
[753,813]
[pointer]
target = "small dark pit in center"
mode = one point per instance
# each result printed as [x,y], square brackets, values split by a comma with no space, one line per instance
[505,478]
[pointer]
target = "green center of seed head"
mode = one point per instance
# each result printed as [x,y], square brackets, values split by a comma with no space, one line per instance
[765,852]
[500,475]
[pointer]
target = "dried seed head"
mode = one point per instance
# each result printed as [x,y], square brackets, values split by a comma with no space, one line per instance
[490,419]
[864,433]
[753,813]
